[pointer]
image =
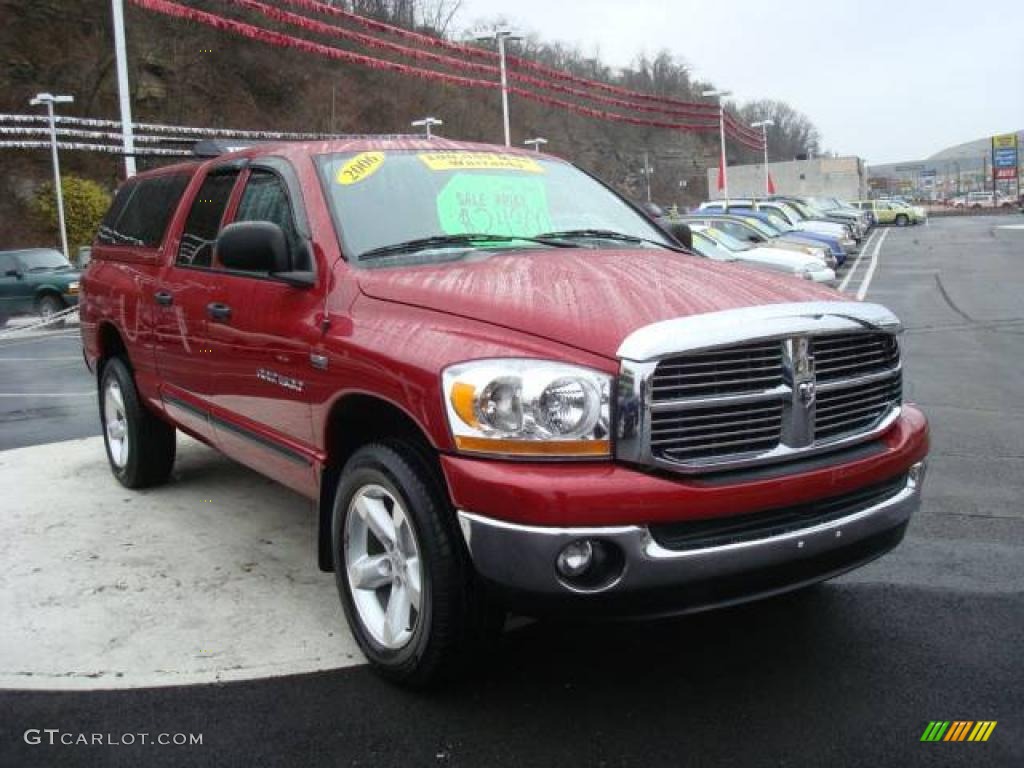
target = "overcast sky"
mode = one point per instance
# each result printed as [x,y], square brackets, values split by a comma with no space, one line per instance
[887,80]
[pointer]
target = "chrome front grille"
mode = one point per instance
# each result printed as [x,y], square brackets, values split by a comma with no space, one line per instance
[842,356]
[747,402]
[854,408]
[739,369]
[712,432]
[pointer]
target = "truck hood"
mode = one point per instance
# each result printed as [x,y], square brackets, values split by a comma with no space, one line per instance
[588,299]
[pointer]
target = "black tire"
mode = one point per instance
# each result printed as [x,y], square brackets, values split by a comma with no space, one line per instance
[902,221]
[3,320]
[150,440]
[49,305]
[457,617]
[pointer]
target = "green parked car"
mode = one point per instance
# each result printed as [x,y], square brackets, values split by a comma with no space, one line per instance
[892,212]
[38,281]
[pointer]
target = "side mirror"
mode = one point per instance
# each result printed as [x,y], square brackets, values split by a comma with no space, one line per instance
[254,246]
[12,273]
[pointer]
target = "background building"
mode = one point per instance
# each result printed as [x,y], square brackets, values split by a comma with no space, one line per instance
[953,171]
[842,177]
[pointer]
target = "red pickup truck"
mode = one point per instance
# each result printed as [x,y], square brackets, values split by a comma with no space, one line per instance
[504,387]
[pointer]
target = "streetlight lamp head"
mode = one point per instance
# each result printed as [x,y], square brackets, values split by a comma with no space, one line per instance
[49,98]
[720,94]
[762,124]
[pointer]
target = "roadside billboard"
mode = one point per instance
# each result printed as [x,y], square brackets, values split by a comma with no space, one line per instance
[1004,156]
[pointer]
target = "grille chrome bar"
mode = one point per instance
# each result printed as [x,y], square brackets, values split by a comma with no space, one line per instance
[763,385]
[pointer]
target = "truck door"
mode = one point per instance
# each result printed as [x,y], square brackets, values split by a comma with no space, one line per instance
[261,332]
[183,354]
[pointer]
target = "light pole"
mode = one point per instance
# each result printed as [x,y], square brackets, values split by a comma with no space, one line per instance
[721,136]
[427,123]
[49,100]
[647,173]
[503,37]
[124,95]
[763,125]
[536,143]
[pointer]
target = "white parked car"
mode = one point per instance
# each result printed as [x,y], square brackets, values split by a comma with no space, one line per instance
[719,246]
[987,200]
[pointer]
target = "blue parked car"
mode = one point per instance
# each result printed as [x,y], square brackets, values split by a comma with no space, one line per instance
[784,228]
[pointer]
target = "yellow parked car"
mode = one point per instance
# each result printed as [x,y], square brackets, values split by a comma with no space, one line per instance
[893,212]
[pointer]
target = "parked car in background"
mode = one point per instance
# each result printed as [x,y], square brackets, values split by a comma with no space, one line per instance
[892,212]
[36,280]
[855,220]
[791,263]
[791,216]
[778,226]
[987,200]
[754,232]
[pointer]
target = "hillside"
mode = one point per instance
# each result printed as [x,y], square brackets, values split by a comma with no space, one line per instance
[182,73]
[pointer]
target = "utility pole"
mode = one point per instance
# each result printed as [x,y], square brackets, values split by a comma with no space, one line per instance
[49,100]
[536,143]
[763,125]
[502,37]
[124,94]
[647,173]
[721,137]
[427,123]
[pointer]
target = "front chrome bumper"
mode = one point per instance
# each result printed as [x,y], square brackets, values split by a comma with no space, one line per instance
[522,558]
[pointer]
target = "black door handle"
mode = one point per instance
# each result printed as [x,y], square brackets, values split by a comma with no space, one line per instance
[218,311]
[163,298]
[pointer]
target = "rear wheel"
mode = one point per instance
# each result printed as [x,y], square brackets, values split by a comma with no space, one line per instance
[50,305]
[409,592]
[140,446]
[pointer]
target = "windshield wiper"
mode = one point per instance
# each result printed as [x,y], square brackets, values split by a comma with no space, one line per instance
[606,234]
[440,241]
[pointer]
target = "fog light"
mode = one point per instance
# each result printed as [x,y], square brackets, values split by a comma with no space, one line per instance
[575,559]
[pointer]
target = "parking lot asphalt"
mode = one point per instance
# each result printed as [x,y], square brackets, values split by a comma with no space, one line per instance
[848,673]
[46,392]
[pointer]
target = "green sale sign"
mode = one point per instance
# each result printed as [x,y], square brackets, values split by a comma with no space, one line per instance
[494,205]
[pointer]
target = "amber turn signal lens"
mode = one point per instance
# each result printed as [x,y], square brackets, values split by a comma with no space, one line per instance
[463,397]
[587,448]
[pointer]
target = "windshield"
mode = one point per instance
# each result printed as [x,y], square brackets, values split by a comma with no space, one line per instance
[728,241]
[441,205]
[42,259]
[765,229]
[708,248]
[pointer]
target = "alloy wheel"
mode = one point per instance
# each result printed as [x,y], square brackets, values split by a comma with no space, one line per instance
[383,566]
[116,423]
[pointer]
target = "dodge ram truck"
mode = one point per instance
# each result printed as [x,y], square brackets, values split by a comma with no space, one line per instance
[503,388]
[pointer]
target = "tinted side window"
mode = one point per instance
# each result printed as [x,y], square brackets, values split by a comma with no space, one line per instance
[266,199]
[142,210]
[204,219]
[7,263]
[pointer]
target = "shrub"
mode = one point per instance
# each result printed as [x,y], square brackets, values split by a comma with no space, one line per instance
[85,202]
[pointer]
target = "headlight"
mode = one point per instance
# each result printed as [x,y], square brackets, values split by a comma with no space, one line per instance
[73,287]
[528,408]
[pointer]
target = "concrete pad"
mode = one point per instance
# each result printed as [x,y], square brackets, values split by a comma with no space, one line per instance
[211,577]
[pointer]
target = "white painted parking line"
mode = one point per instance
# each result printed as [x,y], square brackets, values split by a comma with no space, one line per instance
[856,263]
[39,359]
[212,577]
[866,283]
[48,394]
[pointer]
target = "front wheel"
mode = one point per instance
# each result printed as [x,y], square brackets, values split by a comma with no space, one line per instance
[902,221]
[140,446]
[49,306]
[409,592]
